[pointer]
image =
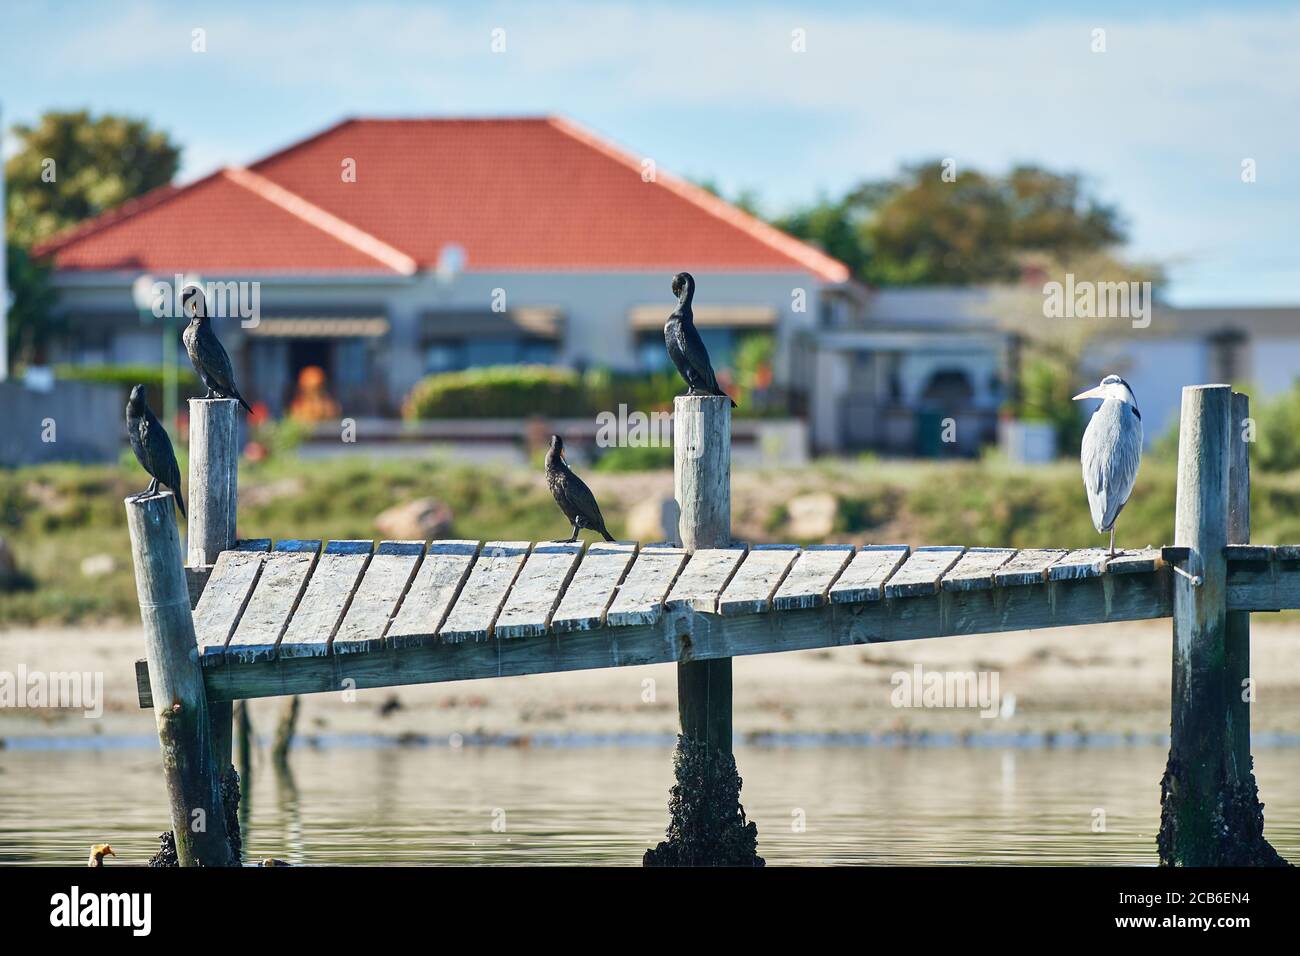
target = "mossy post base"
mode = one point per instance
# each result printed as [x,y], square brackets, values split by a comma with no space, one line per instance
[180,699]
[708,826]
[1210,814]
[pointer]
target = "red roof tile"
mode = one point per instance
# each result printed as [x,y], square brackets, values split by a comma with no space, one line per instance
[515,194]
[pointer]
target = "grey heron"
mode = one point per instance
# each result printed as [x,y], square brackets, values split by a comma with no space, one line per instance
[1111,452]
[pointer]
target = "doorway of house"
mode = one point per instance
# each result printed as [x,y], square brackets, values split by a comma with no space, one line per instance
[305,353]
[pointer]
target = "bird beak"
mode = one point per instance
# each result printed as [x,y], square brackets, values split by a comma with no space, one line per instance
[1090,393]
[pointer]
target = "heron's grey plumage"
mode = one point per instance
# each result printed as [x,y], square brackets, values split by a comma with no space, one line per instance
[1111,452]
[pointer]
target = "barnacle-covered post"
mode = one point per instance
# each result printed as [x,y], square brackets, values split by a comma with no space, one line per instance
[708,826]
[1210,813]
[176,680]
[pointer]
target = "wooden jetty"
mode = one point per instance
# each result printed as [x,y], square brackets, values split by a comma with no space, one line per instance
[284,617]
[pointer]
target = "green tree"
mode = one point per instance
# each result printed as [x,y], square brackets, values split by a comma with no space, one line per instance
[30,327]
[834,226]
[933,226]
[71,166]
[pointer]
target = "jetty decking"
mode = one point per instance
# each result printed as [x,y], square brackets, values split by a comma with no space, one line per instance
[255,618]
[297,618]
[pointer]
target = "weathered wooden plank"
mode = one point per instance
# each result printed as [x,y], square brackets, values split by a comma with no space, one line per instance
[810,579]
[377,597]
[1263,587]
[1249,552]
[538,589]
[921,572]
[593,586]
[1087,601]
[279,588]
[322,605]
[1083,563]
[430,597]
[225,596]
[757,579]
[641,596]
[864,579]
[974,569]
[485,592]
[1135,562]
[702,580]
[1028,567]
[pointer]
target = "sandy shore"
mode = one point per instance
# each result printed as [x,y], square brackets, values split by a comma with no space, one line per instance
[1108,679]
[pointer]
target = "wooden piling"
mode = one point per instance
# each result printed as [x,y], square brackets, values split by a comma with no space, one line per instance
[1210,814]
[214,478]
[180,702]
[708,826]
[1237,637]
[702,487]
[214,486]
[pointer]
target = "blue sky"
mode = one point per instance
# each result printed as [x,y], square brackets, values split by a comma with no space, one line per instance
[1160,122]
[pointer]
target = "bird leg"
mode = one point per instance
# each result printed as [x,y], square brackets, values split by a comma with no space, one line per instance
[152,489]
[575,533]
[1112,541]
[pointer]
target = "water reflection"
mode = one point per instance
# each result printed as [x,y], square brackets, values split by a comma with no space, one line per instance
[813,805]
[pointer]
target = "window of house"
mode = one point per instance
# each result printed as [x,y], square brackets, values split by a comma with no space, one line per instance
[443,356]
[1228,356]
[451,355]
[652,355]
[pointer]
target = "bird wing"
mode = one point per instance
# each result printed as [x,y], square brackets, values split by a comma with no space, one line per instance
[698,356]
[1112,451]
[162,457]
[217,361]
[583,501]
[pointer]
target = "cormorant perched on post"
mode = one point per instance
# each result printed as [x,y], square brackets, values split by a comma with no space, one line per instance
[685,347]
[572,494]
[206,352]
[152,447]
[1111,452]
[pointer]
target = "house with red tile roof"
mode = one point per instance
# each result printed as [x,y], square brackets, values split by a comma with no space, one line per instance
[385,249]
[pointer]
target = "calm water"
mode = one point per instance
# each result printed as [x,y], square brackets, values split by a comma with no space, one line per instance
[813,805]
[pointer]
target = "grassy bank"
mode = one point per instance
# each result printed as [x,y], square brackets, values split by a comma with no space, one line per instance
[56,517]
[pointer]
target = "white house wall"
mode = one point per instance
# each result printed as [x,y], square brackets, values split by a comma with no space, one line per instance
[1157,369]
[595,306]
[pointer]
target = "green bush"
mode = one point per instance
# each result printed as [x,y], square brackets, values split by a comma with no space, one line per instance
[502,391]
[150,376]
[518,391]
[1277,436]
[653,458]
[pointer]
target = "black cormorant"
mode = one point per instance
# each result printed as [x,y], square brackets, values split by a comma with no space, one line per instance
[207,355]
[572,494]
[152,447]
[685,347]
